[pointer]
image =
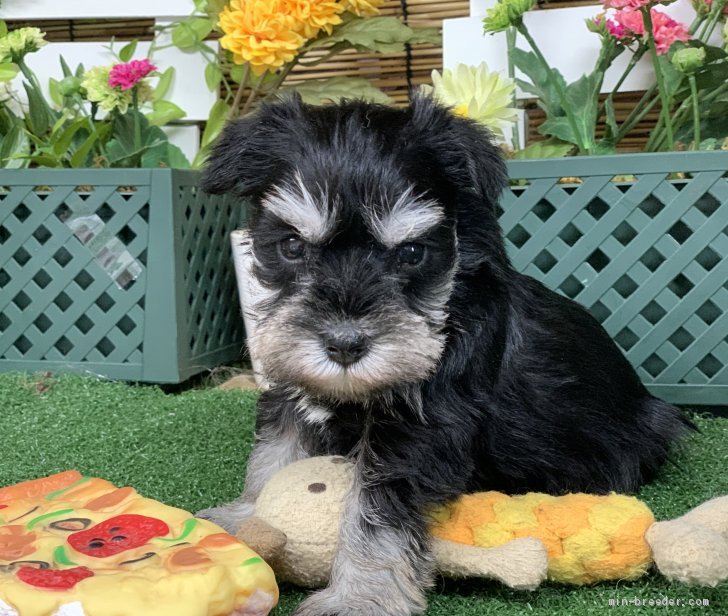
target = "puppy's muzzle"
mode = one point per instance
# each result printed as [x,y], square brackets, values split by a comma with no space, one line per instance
[345,344]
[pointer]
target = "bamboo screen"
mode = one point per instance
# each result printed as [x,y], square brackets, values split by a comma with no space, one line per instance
[394,73]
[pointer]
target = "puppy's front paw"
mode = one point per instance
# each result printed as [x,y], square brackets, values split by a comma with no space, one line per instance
[229,516]
[322,603]
[328,602]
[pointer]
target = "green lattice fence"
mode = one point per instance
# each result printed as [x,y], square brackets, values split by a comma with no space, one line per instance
[121,273]
[645,249]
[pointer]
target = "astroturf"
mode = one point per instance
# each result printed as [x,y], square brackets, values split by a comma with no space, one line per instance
[189,450]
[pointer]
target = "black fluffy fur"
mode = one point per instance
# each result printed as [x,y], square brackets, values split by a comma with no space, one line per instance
[530,393]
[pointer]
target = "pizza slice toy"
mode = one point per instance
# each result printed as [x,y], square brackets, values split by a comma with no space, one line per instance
[79,546]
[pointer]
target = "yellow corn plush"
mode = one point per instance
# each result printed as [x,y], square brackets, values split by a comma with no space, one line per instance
[588,538]
[518,540]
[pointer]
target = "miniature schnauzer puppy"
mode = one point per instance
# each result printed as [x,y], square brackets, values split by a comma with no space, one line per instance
[396,332]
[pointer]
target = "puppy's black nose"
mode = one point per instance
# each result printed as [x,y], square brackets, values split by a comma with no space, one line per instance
[345,345]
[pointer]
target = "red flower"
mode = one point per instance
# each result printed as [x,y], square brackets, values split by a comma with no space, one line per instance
[126,76]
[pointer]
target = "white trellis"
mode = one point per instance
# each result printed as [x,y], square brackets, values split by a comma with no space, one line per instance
[188,89]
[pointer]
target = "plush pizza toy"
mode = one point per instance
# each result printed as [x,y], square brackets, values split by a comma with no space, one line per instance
[79,546]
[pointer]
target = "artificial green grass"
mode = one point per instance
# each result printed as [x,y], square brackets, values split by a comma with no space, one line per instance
[189,450]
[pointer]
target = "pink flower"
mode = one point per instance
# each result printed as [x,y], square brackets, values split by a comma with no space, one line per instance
[126,76]
[617,30]
[634,4]
[627,25]
[626,4]
[667,31]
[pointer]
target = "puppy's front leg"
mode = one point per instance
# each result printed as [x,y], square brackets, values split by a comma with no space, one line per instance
[382,565]
[278,444]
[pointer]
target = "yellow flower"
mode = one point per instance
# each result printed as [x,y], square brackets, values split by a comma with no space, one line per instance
[312,16]
[260,32]
[479,94]
[363,7]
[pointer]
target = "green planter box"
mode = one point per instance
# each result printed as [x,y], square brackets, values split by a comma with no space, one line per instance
[120,273]
[646,254]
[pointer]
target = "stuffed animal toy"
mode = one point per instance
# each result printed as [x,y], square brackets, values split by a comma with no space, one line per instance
[79,546]
[518,540]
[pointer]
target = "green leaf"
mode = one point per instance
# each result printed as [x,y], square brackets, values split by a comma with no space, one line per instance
[430,36]
[604,147]
[176,157]
[63,142]
[202,27]
[183,36]
[3,28]
[80,157]
[164,84]
[215,122]
[8,71]
[558,127]
[65,68]
[39,119]
[14,144]
[378,34]
[121,151]
[541,82]
[165,155]
[333,90]
[41,160]
[164,113]
[55,93]
[611,118]
[237,73]
[127,51]
[549,148]
[711,76]
[214,7]
[213,76]
[672,78]
[708,144]
[582,98]
[189,33]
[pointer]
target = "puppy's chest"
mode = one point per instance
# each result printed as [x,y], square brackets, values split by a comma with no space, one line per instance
[327,430]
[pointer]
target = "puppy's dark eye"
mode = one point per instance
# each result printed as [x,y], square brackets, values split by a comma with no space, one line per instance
[292,248]
[410,254]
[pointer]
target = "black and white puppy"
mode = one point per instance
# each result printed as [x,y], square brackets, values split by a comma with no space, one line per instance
[397,333]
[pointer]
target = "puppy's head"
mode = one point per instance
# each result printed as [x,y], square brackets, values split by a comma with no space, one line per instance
[364,219]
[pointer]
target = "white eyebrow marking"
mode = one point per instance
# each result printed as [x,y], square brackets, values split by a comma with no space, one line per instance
[296,206]
[408,218]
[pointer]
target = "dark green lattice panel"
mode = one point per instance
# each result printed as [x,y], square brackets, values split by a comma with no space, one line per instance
[121,273]
[646,253]
[211,300]
[57,303]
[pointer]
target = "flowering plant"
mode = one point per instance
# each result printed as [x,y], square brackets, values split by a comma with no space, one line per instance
[691,76]
[106,116]
[477,93]
[262,41]
[112,116]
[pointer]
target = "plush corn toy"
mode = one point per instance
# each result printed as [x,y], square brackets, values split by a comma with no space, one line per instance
[519,540]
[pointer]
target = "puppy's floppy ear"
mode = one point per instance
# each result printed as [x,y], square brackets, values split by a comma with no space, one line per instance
[464,149]
[472,174]
[250,153]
